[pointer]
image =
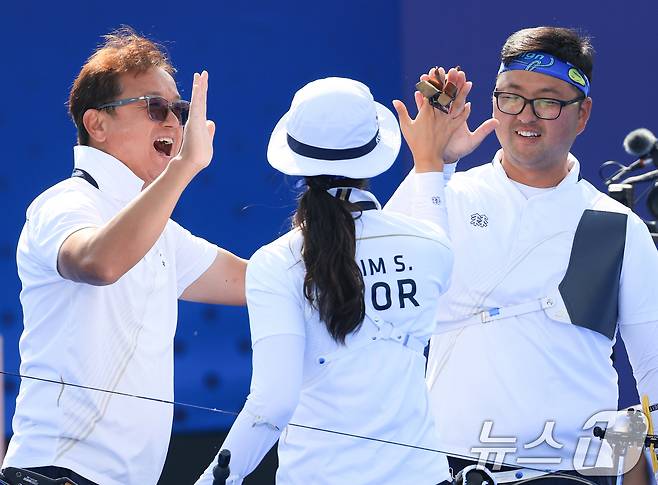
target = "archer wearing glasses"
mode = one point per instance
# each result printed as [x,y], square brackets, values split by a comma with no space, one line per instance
[543,108]
[102,267]
[547,270]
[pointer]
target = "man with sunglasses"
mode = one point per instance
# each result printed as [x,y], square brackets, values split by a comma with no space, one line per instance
[547,269]
[102,266]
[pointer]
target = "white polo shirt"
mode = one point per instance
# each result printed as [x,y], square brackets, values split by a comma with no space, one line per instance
[372,387]
[523,372]
[117,337]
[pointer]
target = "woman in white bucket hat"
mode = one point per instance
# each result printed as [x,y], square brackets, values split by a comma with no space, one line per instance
[341,308]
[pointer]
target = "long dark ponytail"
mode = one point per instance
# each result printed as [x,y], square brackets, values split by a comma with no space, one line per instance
[333,283]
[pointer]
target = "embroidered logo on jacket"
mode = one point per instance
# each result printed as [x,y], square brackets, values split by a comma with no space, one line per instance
[479,220]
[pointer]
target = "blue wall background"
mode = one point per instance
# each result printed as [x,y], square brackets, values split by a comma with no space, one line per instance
[258,54]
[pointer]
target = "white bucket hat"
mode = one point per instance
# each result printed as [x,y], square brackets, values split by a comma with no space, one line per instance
[335,127]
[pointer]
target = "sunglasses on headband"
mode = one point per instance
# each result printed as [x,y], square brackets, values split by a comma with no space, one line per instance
[157,107]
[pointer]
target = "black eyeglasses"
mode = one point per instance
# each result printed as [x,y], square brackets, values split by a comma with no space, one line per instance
[543,108]
[157,107]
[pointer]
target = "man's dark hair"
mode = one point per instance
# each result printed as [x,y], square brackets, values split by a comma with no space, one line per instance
[124,51]
[567,44]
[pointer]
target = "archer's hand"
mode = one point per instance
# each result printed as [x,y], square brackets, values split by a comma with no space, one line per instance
[429,133]
[463,140]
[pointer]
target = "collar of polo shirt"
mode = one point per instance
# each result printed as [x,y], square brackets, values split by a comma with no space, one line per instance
[111,175]
[572,177]
[354,195]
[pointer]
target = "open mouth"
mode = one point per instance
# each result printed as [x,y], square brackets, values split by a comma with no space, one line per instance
[164,145]
[528,134]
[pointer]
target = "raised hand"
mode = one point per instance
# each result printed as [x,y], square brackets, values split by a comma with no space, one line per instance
[463,140]
[429,133]
[198,133]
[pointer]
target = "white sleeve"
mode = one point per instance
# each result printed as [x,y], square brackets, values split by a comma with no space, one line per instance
[273,288]
[194,255]
[641,341]
[638,308]
[269,406]
[423,196]
[429,200]
[638,290]
[51,221]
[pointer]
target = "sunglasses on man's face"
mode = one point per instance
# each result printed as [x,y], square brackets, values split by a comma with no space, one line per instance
[157,107]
